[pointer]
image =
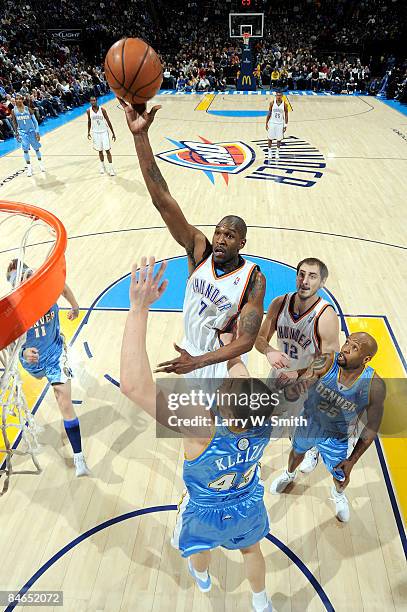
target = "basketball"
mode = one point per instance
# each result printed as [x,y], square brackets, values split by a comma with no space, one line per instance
[133,70]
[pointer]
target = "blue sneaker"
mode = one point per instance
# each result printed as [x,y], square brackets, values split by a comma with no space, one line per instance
[203,585]
[268,609]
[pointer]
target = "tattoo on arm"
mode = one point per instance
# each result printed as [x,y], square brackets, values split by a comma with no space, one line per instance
[156,176]
[320,362]
[257,285]
[250,323]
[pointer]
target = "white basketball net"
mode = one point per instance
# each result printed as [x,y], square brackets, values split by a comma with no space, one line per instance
[15,413]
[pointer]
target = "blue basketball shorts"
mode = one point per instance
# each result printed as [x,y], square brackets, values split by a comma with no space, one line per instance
[54,365]
[29,139]
[332,450]
[199,528]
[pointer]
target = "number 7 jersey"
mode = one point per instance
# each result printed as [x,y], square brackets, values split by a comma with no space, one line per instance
[212,302]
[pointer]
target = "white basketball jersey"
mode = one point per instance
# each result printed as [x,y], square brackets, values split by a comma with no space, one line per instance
[211,303]
[98,122]
[277,113]
[298,337]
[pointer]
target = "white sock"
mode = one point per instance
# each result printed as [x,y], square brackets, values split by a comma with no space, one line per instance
[269,152]
[260,601]
[291,474]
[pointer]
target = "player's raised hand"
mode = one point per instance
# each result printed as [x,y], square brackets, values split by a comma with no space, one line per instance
[277,359]
[31,355]
[145,288]
[138,119]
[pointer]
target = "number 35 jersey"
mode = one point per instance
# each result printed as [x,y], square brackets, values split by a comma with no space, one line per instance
[228,469]
[212,302]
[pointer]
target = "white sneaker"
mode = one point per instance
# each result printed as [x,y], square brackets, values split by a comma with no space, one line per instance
[279,484]
[29,170]
[102,169]
[112,171]
[81,468]
[341,505]
[42,167]
[310,461]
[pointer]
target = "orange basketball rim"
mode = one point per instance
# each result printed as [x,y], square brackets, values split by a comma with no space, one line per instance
[25,304]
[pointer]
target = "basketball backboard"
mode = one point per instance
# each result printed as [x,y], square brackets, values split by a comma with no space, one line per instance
[241,23]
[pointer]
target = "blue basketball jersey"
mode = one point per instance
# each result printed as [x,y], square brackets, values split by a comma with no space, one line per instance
[228,469]
[24,120]
[335,408]
[45,334]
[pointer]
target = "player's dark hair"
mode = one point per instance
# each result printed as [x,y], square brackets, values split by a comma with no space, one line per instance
[237,223]
[313,261]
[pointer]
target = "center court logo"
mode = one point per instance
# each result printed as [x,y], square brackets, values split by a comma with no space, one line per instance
[222,157]
[300,164]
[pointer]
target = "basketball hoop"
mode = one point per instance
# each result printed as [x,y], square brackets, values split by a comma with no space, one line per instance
[20,308]
[246,39]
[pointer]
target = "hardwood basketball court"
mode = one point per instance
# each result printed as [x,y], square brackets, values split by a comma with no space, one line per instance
[337,193]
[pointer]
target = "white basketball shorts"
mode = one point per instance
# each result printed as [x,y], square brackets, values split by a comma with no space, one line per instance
[101,141]
[275,131]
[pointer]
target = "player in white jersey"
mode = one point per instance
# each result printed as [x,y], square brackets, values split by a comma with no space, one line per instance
[98,122]
[222,287]
[305,325]
[276,123]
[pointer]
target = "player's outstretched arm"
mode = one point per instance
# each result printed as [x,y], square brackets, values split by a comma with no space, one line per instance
[136,380]
[69,296]
[249,325]
[193,240]
[317,368]
[276,358]
[374,418]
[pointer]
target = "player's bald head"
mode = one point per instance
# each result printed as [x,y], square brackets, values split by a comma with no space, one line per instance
[367,343]
[236,223]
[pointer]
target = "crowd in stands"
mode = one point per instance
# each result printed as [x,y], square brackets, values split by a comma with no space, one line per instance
[306,44]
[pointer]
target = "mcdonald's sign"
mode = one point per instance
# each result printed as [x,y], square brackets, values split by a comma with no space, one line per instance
[247,80]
